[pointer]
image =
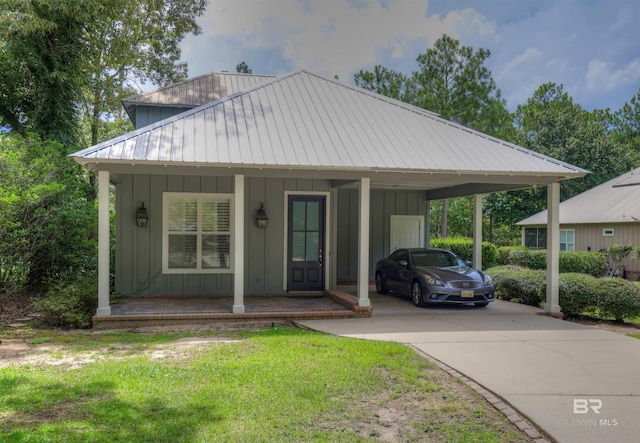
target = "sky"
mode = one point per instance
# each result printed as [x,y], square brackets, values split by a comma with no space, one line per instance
[591,47]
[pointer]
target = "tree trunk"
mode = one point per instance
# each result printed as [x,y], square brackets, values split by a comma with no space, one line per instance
[445,209]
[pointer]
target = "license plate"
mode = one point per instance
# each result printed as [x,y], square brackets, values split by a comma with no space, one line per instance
[466,294]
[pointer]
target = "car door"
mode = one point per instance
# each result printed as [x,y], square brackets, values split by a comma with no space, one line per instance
[395,273]
[405,274]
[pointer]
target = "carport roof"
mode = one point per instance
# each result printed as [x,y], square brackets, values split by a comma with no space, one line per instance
[305,125]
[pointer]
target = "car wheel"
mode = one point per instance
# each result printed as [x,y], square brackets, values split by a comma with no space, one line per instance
[481,304]
[380,289]
[416,294]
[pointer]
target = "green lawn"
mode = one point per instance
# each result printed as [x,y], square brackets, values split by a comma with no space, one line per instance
[279,385]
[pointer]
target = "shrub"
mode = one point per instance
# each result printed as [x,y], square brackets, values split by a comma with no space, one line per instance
[504,251]
[591,263]
[69,305]
[523,285]
[463,247]
[618,299]
[578,293]
[498,273]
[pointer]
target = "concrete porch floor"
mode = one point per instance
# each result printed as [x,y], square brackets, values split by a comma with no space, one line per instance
[138,311]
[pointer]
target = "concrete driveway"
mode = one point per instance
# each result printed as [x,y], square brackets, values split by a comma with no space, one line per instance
[577,383]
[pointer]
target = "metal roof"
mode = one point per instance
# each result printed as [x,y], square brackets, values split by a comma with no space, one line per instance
[615,201]
[195,91]
[302,121]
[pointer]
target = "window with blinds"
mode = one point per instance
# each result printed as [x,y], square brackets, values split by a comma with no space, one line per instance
[197,233]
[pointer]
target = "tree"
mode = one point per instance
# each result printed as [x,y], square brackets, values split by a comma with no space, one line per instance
[453,82]
[627,127]
[42,44]
[243,68]
[133,42]
[63,58]
[386,82]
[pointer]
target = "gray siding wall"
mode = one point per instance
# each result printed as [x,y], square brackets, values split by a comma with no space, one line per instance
[147,115]
[588,237]
[139,250]
[384,204]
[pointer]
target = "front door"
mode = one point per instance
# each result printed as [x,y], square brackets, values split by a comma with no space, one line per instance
[305,261]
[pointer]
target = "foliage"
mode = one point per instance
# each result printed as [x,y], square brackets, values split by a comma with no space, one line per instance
[61,58]
[578,292]
[47,221]
[463,247]
[386,82]
[504,253]
[619,253]
[591,263]
[69,304]
[519,284]
[42,65]
[130,43]
[243,68]
[618,299]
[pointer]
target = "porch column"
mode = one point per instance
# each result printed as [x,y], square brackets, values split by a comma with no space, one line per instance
[553,249]
[477,231]
[363,243]
[238,248]
[104,306]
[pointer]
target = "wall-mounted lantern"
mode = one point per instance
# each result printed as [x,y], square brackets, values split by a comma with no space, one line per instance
[141,216]
[262,217]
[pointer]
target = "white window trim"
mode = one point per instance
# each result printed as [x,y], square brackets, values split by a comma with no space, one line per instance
[573,243]
[165,233]
[608,232]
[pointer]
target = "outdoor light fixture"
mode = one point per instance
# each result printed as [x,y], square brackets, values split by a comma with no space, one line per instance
[141,216]
[262,217]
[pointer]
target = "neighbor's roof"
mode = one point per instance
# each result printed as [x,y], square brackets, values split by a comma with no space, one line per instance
[303,121]
[195,91]
[616,201]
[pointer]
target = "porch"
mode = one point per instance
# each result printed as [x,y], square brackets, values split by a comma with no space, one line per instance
[215,309]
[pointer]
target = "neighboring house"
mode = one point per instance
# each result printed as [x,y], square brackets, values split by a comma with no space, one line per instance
[591,221]
[343,175]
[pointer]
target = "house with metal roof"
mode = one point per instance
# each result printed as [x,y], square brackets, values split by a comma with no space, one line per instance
[234,184]
[591,221]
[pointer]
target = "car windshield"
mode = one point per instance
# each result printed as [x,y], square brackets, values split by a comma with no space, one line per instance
[437,259]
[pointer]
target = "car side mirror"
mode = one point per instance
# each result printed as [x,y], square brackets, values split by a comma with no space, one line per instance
[403,262]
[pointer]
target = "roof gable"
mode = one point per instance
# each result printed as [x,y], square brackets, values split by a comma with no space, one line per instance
[195,91]
[615,201]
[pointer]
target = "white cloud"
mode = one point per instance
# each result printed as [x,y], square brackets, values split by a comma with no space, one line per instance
[336,37]
[605,76]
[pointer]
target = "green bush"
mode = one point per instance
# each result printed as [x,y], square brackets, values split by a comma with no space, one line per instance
[578,293]
[618,299]
[524,286]
[498,273]
[591,263]
[463,247]
[504,251]
[69,305]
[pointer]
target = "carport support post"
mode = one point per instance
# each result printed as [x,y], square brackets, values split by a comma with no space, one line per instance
[552,306]
[238,248]
[363,243]
[477,231]
[104,307]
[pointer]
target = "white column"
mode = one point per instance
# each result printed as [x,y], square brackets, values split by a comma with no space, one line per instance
[477,231]
[553,249]
[363,243]
[238,248]
[104,306]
